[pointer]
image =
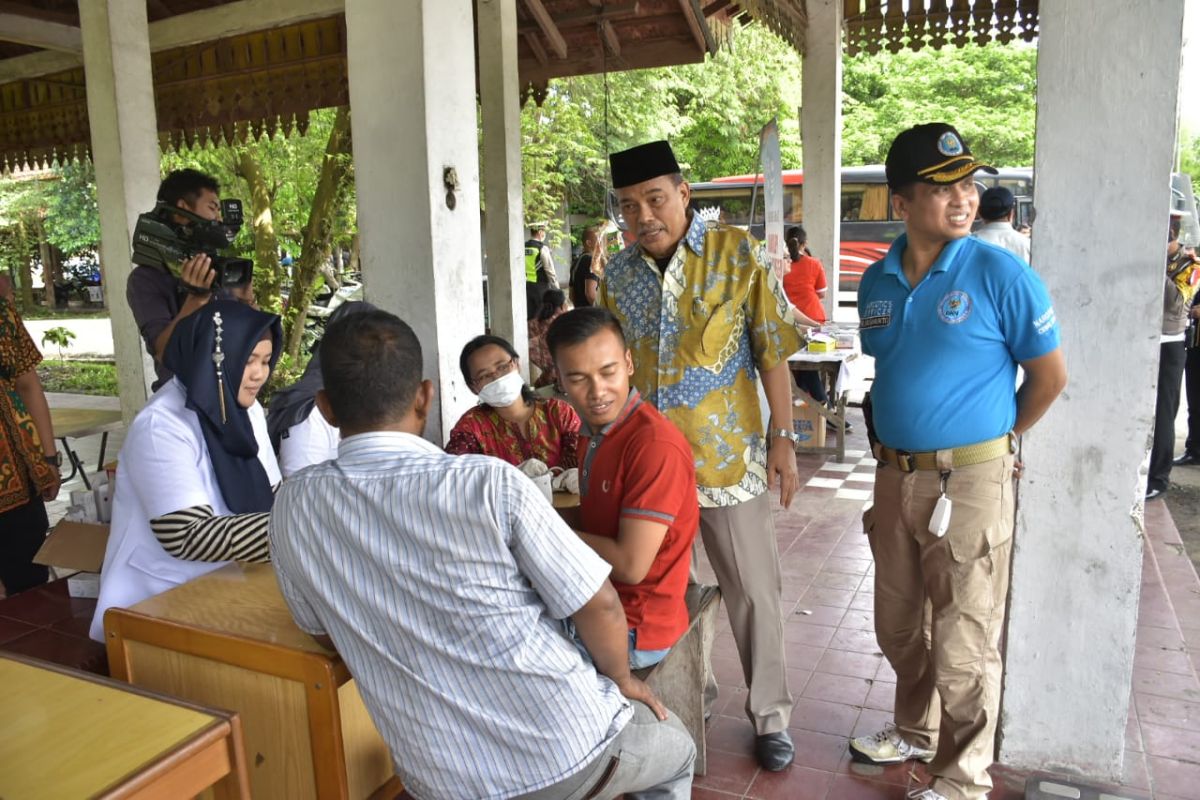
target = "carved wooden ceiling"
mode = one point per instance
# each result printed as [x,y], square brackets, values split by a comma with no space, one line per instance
[225,70]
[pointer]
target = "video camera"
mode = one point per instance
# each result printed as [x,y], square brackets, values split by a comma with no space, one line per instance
[160,241]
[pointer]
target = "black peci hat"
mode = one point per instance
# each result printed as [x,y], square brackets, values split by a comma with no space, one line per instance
[642,163]
[930,153]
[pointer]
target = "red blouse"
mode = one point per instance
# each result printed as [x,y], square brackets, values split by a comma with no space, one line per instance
[801,284]
[553,428]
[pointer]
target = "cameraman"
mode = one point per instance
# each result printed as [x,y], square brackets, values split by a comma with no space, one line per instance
[157,297]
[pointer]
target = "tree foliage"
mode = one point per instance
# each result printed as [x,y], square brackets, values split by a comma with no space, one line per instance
[711,112]
[989,93]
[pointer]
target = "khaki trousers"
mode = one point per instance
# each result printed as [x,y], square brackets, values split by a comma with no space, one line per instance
[947,674]
[740,542]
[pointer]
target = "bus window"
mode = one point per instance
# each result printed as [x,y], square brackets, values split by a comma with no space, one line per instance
[864,202]
[733,205]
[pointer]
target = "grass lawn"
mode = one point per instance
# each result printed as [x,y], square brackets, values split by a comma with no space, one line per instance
[41,312]
[79,377]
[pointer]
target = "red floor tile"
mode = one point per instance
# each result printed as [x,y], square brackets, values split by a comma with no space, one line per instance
[728,772]
[802,656]
[1157,658]
[882,696]
[1168,639]
[728,670]
[821,596]
[821,716]
[859,620]
[804,633]
[730,702]
[863,601]
[822,751]
[851,566]
[837,689]
[1166,684]
[844,662]
[819,615]
[836,580]
[1134,772]
[798,680]
[851,787]
[1169,776]
[794,783]
[701,793]
[731,735]
[1168,711]
[1168,742]
[854,640]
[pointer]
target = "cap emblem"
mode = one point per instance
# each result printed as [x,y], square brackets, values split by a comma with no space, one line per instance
[949,145]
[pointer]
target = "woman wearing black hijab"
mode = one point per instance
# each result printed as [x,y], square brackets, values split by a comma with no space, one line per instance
[299,433]
[196,475]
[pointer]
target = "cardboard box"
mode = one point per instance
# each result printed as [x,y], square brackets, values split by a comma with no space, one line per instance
[808,424]
[74,545]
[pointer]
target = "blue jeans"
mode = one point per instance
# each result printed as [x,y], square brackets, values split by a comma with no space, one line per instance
[638,659]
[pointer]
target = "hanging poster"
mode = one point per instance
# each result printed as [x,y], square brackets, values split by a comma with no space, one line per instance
[772,172]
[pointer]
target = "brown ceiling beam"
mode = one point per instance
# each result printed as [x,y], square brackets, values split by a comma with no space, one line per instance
[536,48]
[656,53]
[698,25]
[61,17]
[549,29]
[215,22]
[581,19]
[610,38]
[41,33]
[715,6]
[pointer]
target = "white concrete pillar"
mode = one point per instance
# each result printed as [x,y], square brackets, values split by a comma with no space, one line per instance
[504,240]
[1105,69]
[416,167]
[120,100]
[821,137]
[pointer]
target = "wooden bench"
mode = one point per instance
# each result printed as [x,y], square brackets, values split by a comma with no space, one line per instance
[678,679]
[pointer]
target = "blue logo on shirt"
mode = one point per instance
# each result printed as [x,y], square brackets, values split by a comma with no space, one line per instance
[949,144]
[954,308]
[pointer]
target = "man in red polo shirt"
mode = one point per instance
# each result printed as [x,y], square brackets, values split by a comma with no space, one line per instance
[637,482]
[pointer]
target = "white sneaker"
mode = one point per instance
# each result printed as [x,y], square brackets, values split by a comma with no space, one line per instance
[886,747]
[925,793]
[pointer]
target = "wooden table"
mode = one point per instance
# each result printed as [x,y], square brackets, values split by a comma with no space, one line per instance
[228,640]
[68,734]
[76,423]
[832,369]
[565,500]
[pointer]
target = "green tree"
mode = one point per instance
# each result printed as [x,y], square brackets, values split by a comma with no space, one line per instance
[989,93]
[59,337]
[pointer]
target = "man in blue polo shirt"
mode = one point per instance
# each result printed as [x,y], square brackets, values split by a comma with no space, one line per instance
[948,318]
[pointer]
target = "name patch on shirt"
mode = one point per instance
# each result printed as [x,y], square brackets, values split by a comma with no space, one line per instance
[878,314]
[1046,322]
[955,307]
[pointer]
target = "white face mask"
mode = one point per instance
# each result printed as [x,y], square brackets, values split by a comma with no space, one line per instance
[504,391]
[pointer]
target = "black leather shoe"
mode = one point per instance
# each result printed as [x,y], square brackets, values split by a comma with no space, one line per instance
[1187,460]
[1154,494]
[774,751]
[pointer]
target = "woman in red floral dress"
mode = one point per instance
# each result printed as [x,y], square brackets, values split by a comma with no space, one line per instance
[510,422]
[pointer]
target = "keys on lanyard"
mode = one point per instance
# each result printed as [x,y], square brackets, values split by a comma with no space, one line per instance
[939,523]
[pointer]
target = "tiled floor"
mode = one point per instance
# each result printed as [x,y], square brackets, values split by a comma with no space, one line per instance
[843,686]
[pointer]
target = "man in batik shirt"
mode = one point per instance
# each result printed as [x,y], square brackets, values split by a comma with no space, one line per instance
[705,321]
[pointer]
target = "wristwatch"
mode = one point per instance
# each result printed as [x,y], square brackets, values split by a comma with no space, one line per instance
[55,460]
[785,434]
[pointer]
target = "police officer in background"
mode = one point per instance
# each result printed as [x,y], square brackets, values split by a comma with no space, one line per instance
[948,319]
[539,269]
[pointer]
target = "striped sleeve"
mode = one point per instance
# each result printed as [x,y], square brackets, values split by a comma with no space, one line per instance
[197,534]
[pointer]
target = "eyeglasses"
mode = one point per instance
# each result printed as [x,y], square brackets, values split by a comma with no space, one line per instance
[484,378]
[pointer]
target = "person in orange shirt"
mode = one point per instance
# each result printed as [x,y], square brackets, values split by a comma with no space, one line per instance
[805,287]
[804,284]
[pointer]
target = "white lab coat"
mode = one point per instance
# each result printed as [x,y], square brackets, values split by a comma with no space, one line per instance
[312,441]
[163,467]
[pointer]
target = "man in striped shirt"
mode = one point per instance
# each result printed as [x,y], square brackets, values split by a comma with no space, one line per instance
[442,580]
